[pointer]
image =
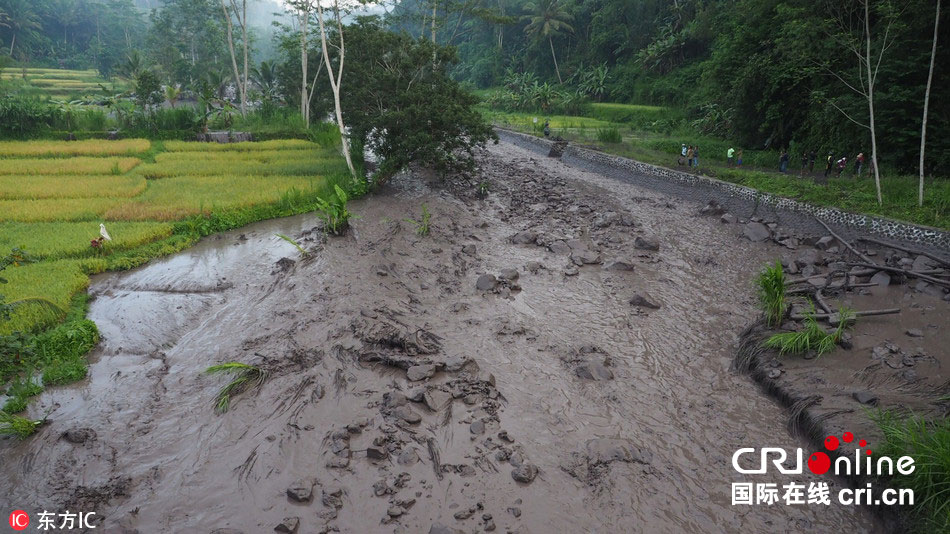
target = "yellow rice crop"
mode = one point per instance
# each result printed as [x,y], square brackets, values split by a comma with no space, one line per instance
[277,144]
[209,167]
[67,186]
[56,209]
[91,147]
[260,156]
[182,196]
[80,165]
[64,239]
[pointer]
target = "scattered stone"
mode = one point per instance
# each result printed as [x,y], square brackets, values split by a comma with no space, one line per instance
[503,435]
[486,282]
[394,399]
[462,515]
[914,332]
[489,526]
[377,453]
[436,399]
[395,511]
[712,208]
[508,274]
[571,271]
[585,257]
[420,372]
[923,263]
[439,528]
[865,397]
[79,436]
[515,511]
[333,497]
[477,427]
[524,473]
[775,373]
[809,256]
[301,490]
[825,243]
[646,243]
[756,232]
[533,267]
[620,266]
[643,301]
[468,249]
[728,218]
[846,341]
[593,371]
[407,414]
[559,247]
[288,526]
[285,264]
[524,238]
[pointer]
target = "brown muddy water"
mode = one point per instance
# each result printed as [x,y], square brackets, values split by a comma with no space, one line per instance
[614,417]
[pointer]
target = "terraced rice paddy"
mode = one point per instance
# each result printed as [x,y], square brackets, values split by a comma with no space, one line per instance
[61,84]
[54,195]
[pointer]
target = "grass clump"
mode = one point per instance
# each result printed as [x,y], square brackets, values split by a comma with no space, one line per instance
[771,284]
[422,225]
[812,337]
[14,425]
[292,241]
[928,443]
[244,376]
[336,217]
[609,135]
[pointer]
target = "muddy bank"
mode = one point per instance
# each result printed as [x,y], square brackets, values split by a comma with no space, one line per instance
[553,357]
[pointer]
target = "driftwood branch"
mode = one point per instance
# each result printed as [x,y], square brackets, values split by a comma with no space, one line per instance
[845,243]
[934,257]
[911,274]
[863,313]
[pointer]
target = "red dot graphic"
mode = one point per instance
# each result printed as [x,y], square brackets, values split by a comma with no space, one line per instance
[819,463]
[848,437]
[869,452]
[831,443]
[862,443]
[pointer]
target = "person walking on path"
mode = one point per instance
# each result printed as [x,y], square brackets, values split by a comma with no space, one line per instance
[804,163]
[547,128]
[811,160]
[829,164]
[696,156]
[730,156]
[682,155]
[842,163]
[739,158]
[858,164]
[689,155]
[783,161]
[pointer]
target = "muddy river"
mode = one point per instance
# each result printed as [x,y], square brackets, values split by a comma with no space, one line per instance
[585,386]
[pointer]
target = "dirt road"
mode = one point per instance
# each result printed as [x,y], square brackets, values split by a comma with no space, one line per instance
[406,390]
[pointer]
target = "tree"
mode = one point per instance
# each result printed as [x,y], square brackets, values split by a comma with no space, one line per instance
[148,90]
[336,80]
[240,15]
[548,20]
[304,8]
[405,110]
[22,19]
[923,126]
[266,79]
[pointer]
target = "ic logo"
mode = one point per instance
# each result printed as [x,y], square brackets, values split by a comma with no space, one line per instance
[19,520]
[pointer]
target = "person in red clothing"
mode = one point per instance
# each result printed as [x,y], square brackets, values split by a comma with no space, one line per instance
[859,164]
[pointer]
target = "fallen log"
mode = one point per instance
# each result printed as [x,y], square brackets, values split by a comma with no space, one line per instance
[845,243]
[912,274]
[833,318]
[908,250]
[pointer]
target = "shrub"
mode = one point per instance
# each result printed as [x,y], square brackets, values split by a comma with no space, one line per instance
[609,135]
[771,282]
[333,211]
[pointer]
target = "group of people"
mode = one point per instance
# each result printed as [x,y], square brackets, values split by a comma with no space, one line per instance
[833,164]
[689,155]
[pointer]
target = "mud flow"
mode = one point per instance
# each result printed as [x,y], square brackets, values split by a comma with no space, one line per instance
[553,357]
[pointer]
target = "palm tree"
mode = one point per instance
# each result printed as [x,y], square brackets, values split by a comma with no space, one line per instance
[22,20]
[172,93]
[133,66]
[265,78]
[548,19]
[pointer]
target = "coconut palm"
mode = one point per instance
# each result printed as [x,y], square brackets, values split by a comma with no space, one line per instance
[265,77]
[22,19]
[172,93]
[548,19]
[133,66]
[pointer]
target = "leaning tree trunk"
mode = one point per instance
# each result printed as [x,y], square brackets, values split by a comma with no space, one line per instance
[923,127]
[237,75]
[12,42]
[304,100]
[553,55]
[336,80]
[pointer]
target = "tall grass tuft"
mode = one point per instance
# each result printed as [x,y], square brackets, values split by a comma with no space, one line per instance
[245,376]
[303,251]
[15,425]
[812,337]
[928,443]
[771,282]
[333,211]
[609,135]
[422,225]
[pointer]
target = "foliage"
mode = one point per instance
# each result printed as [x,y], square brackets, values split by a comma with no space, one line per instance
[422,225]
[812,337]
[333,211]
[14,425]
[609,135]
[771,290]
[303,251]
[406,109]
[928,443]
[245,377]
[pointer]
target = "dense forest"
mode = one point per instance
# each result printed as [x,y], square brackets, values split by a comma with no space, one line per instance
[762,72]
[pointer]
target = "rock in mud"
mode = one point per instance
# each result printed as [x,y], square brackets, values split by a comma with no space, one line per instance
[559,247]
[79,436]
[525,473]
[477,427]
[420,372]
[643,301]
[571,271]
[585,257]
[407,414]
[646,243]
[728,218]
[333,497]
[468,249]
[593,371]
[533,267]
[301,490]
[808,257]
[914,332]
[524,238]
[408,457]
[394,399]
[486,282]
[288,526]
[865,397]
[825,243]
[439,528]
[377,453]
[756,232]
[508,274]
[436,399]
[712,208]
[620,266]
[285,264]
[515,511]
